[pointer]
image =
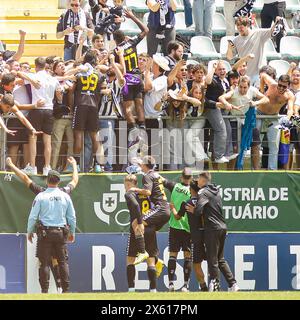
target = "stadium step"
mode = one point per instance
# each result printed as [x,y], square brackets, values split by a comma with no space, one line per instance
[32,14]
[30,4]
[36,37]
[28,25]
[39,49]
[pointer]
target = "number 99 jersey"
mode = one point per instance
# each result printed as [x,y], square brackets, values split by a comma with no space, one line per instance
[88,87]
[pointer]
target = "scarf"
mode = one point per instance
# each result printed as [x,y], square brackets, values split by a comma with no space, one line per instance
[163,11]
[72,19]
[245,10]
[131,80]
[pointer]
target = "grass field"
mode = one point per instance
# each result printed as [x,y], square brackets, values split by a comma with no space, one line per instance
[269,295]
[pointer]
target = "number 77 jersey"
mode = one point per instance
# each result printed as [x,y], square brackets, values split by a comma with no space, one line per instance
[88,87]
[130,53]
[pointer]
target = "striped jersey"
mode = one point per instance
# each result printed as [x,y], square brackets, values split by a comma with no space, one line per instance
[108,103]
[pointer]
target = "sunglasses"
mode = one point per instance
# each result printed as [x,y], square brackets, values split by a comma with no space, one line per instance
[142,59]
[74,5]
[282,86]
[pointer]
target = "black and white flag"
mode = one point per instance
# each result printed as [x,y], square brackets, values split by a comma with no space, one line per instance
[245,10]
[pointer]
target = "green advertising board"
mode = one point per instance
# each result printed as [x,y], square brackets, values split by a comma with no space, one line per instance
[252,201]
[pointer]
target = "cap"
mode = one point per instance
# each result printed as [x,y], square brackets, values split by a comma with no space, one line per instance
[54,173]
[187,172]
[161,62]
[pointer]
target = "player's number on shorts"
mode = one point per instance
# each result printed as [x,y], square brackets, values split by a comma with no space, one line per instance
[145,206]
[162,189]
[130,59]
[89,83]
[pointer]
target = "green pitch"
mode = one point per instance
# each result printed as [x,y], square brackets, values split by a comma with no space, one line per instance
[270,295]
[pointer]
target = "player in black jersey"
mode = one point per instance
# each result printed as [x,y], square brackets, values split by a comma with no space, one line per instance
[140,237]
[153,188]
[36,189]
[133,91]
[87,96]
[133,201]
[196,231]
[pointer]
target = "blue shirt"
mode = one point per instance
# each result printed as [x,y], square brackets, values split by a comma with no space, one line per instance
[54,208]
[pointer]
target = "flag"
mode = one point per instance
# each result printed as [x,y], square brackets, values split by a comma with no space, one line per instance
[284,146]
[245,10]
[247,133]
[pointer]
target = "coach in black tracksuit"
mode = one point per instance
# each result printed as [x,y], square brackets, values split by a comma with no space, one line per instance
[209,205]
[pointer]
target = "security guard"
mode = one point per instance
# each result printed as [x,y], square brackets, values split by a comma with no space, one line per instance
[53,218]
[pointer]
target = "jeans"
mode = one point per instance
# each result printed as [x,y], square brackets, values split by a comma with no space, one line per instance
[269,13]
[61,126]
[68,54]
[152,41]
[230,8]
[215,118]
[203,11]
[107,136]
[273,135]
[229,146]
[194,140]
[188,13]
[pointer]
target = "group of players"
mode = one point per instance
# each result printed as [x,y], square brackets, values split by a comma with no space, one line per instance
[149,211]
[196,225]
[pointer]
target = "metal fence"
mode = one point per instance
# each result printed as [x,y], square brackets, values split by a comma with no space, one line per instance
[157,135]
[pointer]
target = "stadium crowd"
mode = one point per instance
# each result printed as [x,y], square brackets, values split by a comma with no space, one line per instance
[83,97]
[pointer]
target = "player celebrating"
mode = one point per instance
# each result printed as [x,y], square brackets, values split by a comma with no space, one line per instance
[138,204]
[87,90]
[153,188]
[196,230]
[179,231]
[133,91]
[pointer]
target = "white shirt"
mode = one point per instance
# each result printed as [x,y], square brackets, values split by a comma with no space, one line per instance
[21,96]
[48,84]
[253,43]
[243,101]
[159,88]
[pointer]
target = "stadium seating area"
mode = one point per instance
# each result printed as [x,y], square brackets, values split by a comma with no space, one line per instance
[39,19]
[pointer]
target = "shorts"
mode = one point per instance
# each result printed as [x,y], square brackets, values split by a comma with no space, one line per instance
[22,134]
[41,120]
[134,92]
[157,217]
[198,247]
[150,243]
[86,118]
[179,240]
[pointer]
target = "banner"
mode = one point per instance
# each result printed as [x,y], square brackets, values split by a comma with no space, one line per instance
[269,261]
[259,262]
[12,264]
[252,201]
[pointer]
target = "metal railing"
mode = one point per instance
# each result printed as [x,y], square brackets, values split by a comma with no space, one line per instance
[159,145]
